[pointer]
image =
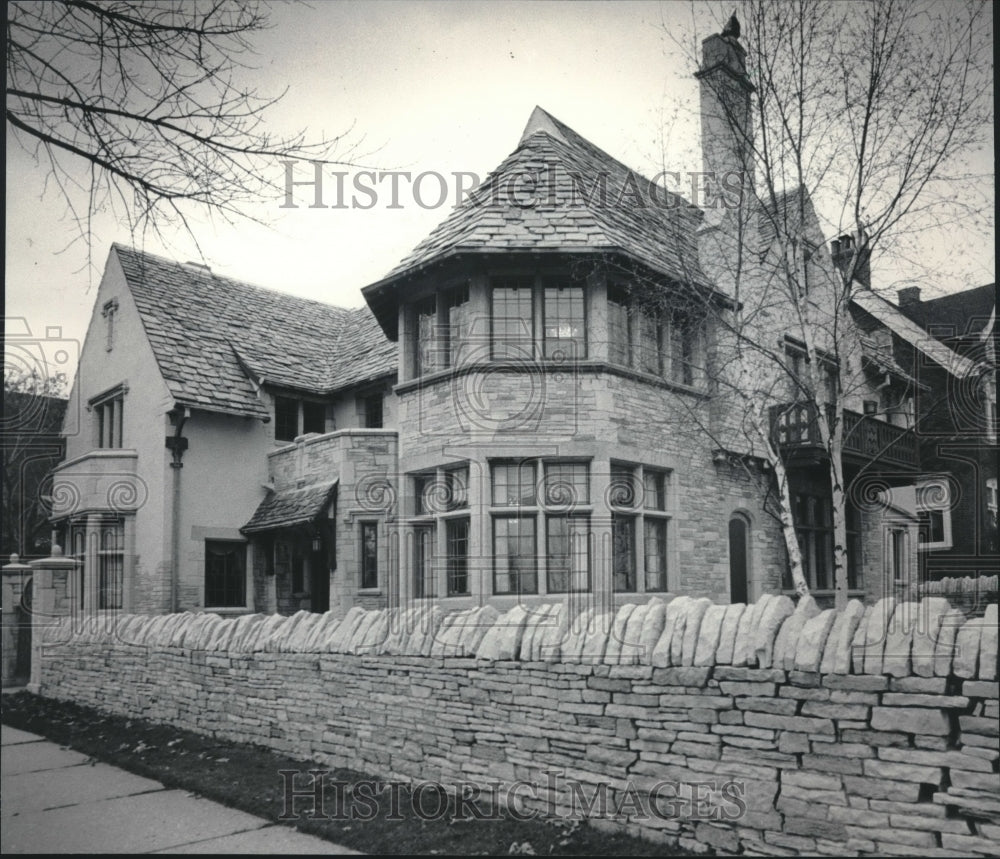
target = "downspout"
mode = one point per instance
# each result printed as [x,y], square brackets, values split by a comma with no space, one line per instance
[176,444]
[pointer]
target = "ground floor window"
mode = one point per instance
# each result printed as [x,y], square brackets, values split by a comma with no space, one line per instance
[111,564]
[638,496]
[369,554]
[457,540]
[813,515]
[423,566]
[225,573]
[568,554]
[515,569]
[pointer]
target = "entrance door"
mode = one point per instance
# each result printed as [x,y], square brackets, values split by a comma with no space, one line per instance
[738,566]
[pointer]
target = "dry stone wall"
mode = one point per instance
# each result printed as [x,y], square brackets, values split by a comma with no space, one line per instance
[867,731]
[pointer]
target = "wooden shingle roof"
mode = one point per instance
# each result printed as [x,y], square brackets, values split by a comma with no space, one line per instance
[216,339]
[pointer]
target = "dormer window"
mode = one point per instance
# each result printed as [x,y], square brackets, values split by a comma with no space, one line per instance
[109,312]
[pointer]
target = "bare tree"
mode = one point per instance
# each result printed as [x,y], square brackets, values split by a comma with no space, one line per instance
[33,408]
[849,118]
[144,108]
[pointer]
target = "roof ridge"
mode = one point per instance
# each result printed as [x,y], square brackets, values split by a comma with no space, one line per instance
[208,272]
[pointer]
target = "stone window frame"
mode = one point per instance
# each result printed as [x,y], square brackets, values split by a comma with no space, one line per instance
[681,350]
[299,404]
[441,342]
[108,409]
[544,508]
[109,312]
[933,496]
[366,572]
[439,496]
[628,501]
[215,543]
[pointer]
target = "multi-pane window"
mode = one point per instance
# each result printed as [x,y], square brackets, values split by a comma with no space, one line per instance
[426,356]
[567,553]
[638,500]
[442,324]
[109,417]
[671,345]
[111,565]
[225,574]
[514,484]
[457,544]
[618,327]
[512,319]
[441,493]
[561,505]
[814,528]
[565,323]
[515,569]
[423,563]
[567,484]
[655,551]
[369,554]
[623,566]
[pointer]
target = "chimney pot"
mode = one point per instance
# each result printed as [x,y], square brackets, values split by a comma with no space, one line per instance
[909,296]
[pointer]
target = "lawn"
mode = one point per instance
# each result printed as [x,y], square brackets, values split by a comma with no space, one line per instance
[357,810]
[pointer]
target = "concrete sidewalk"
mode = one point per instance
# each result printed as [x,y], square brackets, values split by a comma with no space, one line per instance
[53,800]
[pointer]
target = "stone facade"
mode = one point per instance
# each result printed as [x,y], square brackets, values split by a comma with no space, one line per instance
[871,731]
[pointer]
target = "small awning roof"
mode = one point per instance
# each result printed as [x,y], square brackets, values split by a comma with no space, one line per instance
[289,507]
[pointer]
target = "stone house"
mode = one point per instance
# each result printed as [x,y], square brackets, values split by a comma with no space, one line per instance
[531,408]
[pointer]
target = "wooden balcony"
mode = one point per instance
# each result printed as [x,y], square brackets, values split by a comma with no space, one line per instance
[866,439]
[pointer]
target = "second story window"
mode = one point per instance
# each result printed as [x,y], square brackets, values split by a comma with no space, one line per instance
[442,325]
[565,322]
[671,345]
[512,319]
[373,416]
[294,417]
[286,418]
[109,418]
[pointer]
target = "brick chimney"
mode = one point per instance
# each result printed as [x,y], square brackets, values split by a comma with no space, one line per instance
[909,297]
[726,122]
[845,249]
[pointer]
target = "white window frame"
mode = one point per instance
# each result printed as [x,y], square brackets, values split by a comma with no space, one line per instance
[928,500]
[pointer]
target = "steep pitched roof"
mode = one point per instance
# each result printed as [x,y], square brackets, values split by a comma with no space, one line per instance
[583,201]
[908,330]
[215,338]
[961,313]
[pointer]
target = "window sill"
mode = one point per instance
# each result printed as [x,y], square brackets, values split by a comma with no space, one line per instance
[370,592]
[590,366]
[223,610]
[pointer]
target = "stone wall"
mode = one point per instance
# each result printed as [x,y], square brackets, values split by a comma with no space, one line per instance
[872,730]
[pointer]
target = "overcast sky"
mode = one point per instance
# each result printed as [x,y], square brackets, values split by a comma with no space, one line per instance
[440,87]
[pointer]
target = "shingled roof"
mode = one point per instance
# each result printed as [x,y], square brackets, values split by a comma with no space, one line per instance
[288,507]
[959,314]
[215,339]
[568,210]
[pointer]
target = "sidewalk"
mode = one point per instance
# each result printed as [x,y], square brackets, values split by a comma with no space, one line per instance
[54,800]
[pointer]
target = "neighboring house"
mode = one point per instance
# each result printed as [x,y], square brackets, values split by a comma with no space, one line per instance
[949,345]
[531,410]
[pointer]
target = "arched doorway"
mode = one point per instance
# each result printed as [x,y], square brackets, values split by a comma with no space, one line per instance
[739,558]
